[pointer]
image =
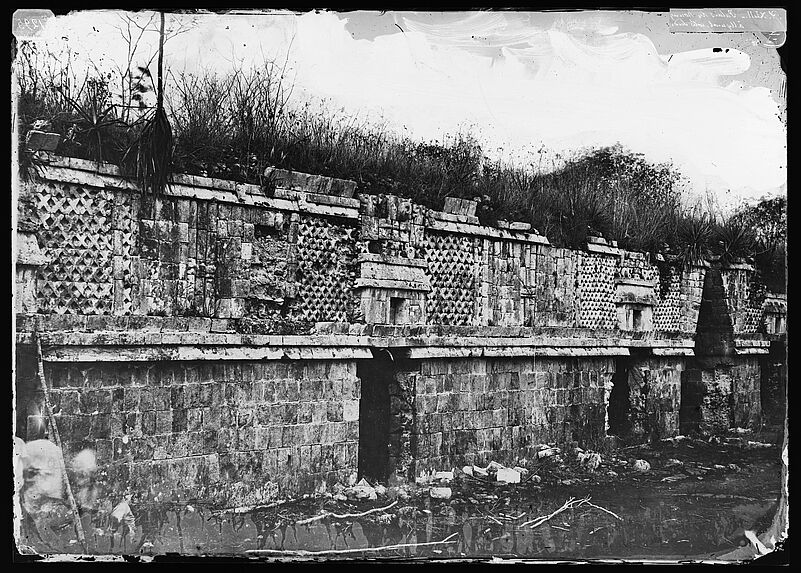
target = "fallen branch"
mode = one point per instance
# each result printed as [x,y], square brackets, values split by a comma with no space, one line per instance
[510,518]
[604,509]
[345,515]
[249,508]
[303,553]
[569,504]
[540,520]
[56,437]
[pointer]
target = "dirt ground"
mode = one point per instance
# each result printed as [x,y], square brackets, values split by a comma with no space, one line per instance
[693,499]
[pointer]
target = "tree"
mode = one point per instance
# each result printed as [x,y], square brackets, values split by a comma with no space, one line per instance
[767,220]
[609,191]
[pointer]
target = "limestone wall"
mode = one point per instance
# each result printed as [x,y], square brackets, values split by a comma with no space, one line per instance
[236,432]
[744,308]
[200,250]
[746,403]
[287,258]
[477,410]
[207,340]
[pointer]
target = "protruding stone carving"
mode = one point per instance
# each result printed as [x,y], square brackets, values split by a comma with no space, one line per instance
[393,289]
[635,299]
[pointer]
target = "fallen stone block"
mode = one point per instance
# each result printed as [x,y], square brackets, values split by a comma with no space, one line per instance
[508,475]
[590,460]
[548,452]
[42,141]
[642,466]
[440,492]
[443,476]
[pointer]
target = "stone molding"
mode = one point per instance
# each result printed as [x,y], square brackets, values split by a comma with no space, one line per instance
[103,175]
[442,222]
[397,273]
[394,284]
[603,249]
[389,260]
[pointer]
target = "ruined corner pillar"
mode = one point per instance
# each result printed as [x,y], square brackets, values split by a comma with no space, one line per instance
[29,256]
[721,388]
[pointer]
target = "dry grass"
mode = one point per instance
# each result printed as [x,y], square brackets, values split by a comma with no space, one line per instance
[235,125]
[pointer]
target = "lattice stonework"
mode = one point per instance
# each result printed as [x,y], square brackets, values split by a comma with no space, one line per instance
[125,230]
[451,269]
[75,236]
[596,292]
[324,254]
[668,313]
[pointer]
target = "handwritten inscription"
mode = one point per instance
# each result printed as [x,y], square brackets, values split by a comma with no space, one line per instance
[29,23]
[727,20]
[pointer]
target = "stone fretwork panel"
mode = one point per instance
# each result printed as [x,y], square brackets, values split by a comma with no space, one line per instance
[74,237]
[325,258]
[680,299]
[452,267]
[596,292]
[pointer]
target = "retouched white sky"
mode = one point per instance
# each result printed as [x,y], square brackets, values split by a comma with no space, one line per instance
[518,80]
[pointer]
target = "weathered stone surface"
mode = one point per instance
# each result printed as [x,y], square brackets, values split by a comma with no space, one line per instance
[42,141]
[207,340]
[457,206]
[172,418]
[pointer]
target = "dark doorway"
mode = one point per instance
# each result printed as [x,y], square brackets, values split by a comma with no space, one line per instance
[619,408]
[374,416]
[692,398]
[773,386]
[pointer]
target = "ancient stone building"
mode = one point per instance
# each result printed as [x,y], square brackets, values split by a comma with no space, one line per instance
[233,343]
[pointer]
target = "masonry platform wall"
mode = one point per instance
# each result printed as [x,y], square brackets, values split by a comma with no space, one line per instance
[237,432]
[207,341]
[477,410]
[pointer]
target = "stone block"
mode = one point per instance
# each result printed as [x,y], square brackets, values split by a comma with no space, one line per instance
[350,410]
[335,411]
[42,141]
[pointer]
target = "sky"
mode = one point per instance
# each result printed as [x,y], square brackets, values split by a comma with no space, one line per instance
[520,81]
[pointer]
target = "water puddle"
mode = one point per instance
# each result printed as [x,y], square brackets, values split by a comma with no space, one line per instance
[689,519]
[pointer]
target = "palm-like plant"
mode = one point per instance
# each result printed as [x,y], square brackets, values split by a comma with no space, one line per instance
[694,235]
[96,118]
[149,158]
[733,241]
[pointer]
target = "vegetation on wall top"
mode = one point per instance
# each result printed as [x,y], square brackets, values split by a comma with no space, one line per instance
[234,125]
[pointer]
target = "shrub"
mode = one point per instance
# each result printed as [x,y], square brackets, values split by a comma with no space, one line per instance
[693,238]
[733,241]
[234,125]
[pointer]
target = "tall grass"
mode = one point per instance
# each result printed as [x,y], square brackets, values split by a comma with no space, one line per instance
[56,96]
[236,124]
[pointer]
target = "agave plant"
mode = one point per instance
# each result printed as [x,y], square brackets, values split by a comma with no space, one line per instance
[96,119]
[733,241]
[149,158]
[694,235]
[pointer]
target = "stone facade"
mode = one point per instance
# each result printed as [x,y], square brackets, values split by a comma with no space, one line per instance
[651,389]
[233,431]
[233,339]
[479,409]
